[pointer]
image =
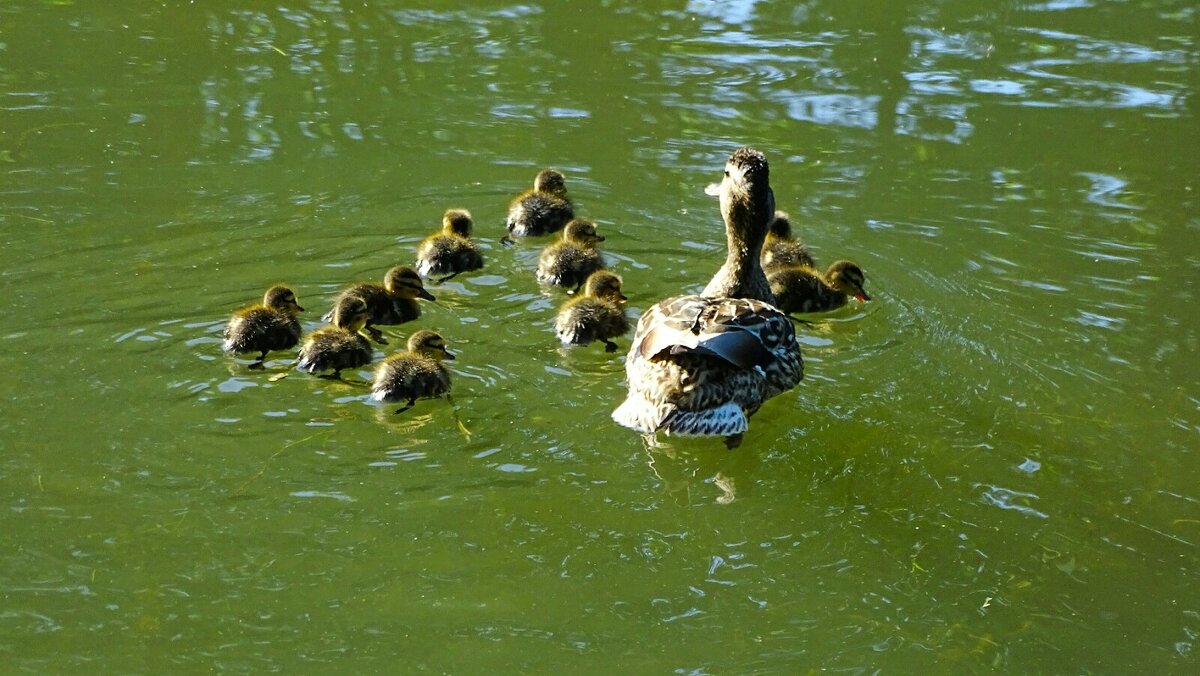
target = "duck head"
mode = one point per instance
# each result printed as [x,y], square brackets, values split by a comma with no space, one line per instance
[281,298]
[582,231]
[848,278]
[351,313]
[604,285]
[780,226]
[457,222]
[404,282]
[429,344]
[551,181]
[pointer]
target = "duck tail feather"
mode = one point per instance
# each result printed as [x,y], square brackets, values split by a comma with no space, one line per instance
[724,420]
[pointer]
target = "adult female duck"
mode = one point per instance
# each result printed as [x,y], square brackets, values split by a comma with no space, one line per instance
[702,365]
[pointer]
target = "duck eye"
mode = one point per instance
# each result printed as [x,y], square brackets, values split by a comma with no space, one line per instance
[726,173]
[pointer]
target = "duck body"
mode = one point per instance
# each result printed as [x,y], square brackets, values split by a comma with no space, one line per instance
[451,251]
[337,347]
[415,373]
[571,261]
[263,327]
[543,210]
[781,249]
[332,348]
[701,365]
[804,289]
[599,315]
[395,302]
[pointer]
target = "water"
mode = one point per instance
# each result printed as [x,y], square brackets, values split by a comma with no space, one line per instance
[991,466]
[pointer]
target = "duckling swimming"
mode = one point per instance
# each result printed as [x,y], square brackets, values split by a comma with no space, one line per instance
[780,248]
[266,326]
[543,210]
[570,261]
[415,373]
[393,303]
[338,346]
[599,314]
[804,289]
[450,251]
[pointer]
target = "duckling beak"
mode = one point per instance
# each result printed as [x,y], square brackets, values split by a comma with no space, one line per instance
[599,238]
[622,297]
[713,190]
[446,354]
[298,308]
[862,297]
[426,295]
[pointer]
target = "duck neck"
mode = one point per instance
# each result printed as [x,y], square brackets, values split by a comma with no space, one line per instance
[742,275]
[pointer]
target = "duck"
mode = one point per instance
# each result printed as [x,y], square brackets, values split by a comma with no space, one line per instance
[599,314]
[266,326]
[415,373]
[702,365]
[450,251]
[393,303]
[540,211]
[799,288]
[339,345]
[570,261]
[780,248]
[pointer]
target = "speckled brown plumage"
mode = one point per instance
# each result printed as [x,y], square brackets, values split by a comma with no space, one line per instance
[702,365]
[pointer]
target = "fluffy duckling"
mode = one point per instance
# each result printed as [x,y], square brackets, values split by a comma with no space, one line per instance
[393,303]
[804,289]
[781,248]
[416,373]
[543,210]
[338,346]
[569,262]
[599,314]
[266,326]
[450,251]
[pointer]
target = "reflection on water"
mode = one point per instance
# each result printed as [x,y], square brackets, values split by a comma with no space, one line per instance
[978,470]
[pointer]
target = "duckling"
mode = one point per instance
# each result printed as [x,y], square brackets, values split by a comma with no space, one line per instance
[804,289]
[540,211]
[266,326]
[569,262]
[338,346]
[450,251]
[701,365]
[417,372]
[393,303]
[780,248]
[599,314]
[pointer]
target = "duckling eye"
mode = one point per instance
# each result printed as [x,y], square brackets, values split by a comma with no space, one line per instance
[726,173]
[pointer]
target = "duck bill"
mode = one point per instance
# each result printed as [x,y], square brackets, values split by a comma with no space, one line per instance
[426,295]
[599,238]
[622,297]
[862,297]
[446,354]
[298,308]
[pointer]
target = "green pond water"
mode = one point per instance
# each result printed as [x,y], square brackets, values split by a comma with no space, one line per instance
[992,466]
